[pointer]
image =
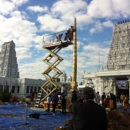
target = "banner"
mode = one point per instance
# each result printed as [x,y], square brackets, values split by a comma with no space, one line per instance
[122,84]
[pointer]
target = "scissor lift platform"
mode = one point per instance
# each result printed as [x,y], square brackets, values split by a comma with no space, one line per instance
[60,44]
[53,44]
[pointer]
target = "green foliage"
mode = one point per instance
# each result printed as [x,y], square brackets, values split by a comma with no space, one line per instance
[5,95]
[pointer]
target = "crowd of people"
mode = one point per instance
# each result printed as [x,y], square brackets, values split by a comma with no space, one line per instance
[87,107]
[110,100]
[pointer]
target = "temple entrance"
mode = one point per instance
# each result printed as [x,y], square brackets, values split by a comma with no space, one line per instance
[122,86]
[124,91]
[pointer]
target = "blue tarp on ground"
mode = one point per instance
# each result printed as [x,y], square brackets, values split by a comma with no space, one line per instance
[46,120]
[121,108]
[45,123]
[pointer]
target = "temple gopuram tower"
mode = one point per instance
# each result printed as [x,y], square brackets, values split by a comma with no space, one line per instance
[119,53]
[8,61]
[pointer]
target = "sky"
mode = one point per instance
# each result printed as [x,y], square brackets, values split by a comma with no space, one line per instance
[27,21]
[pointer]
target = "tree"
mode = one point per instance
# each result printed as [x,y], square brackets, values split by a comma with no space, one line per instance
[5,95]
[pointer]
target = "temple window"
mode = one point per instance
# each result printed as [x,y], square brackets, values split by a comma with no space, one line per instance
[13,89]
[18,88]
[27,89]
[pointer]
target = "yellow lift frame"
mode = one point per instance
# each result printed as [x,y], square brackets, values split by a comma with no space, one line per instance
[53,48]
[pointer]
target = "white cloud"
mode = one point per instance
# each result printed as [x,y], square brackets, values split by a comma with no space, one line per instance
[23,53]
[35,69]
[23,31]
[2,19]
[108,8]
[38,8]
[107,24]
[90,55]
[7,6]
[97,27]
[19,2]
[68,9]
[121,7]
[92,30]
[51,24]
[18,14]
[38,42]
[63,13]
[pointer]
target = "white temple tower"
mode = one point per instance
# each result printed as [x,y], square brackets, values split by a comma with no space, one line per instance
[8,60]
[119,54]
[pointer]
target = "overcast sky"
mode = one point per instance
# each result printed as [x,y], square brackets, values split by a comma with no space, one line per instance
[27,21]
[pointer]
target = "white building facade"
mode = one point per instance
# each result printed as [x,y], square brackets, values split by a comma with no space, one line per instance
[118,64]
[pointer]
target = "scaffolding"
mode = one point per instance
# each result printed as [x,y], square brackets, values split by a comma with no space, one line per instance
[53,44]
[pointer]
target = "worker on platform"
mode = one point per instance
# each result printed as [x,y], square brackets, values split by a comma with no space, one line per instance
[88,115]
[59,37]
[69,33]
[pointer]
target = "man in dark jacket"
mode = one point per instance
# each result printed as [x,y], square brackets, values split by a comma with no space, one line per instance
[63,105]
[54,99]
[88,115]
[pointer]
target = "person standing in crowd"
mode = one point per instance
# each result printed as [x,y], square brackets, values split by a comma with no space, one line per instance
[114,101]
[103,99]
[122,98]
[97,98]
[81,99]
[63,105]
[79,94]
[107,100]
[74,97]
[126,102]
[54,99]
[88,115]
[111,104]
[48,103]
[62,90]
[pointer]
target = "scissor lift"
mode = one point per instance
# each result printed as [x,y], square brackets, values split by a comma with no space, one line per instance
[53,45]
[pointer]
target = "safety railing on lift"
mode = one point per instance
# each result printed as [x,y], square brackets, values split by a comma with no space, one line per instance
[54,38]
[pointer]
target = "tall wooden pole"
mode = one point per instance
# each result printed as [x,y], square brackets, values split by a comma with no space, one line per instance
[74,60]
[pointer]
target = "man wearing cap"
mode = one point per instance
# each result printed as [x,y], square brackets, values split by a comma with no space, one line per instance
[88,115]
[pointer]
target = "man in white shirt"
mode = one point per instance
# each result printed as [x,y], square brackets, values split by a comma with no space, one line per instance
[62,89]
[48,103]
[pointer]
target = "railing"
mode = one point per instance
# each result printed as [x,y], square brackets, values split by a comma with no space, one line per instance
[52,38]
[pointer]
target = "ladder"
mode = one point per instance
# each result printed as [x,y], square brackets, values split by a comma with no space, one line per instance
[39,96]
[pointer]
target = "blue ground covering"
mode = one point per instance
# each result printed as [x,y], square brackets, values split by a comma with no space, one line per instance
[46,120]
[121,108]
